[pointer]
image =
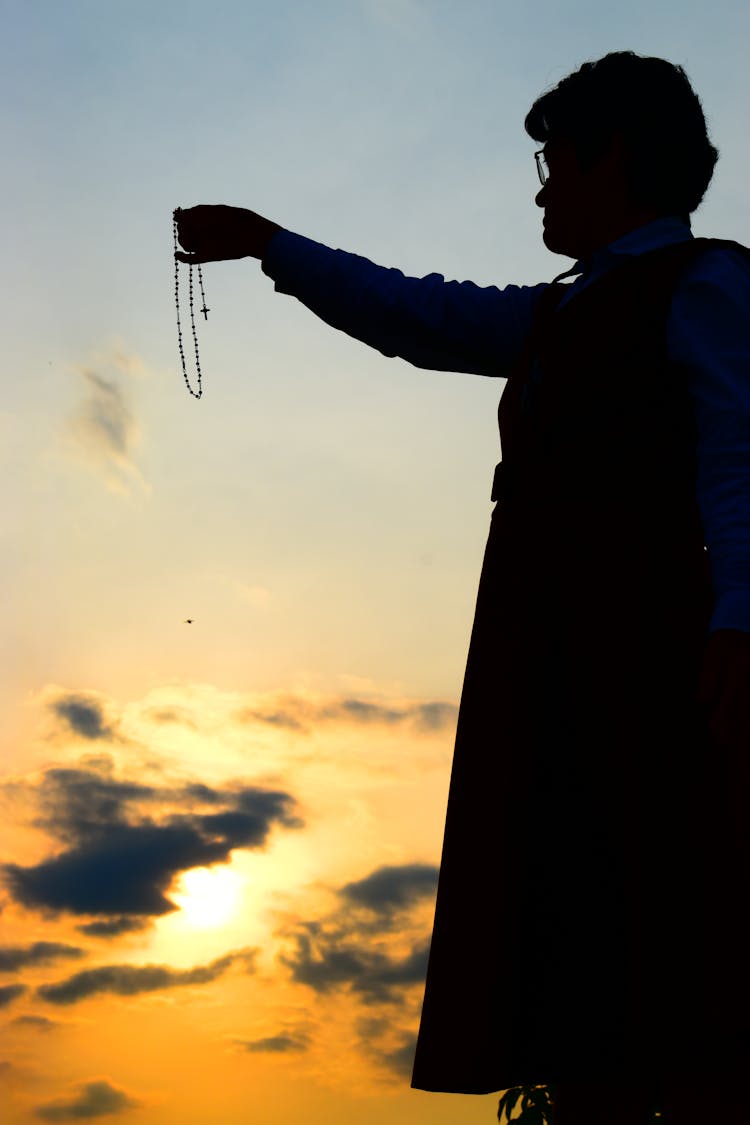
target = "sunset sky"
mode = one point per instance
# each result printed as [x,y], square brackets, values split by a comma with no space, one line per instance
[220,839]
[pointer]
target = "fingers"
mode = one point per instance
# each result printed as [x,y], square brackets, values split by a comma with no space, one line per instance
[188,221]
[215,255]
[192,259]
[213,233]
[195,235]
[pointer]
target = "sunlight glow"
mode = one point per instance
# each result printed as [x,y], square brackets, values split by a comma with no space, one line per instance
[208,897]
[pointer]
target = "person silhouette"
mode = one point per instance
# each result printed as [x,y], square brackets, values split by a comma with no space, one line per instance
[591,926]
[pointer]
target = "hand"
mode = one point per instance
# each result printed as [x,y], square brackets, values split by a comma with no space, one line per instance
[216,233]
[725,689]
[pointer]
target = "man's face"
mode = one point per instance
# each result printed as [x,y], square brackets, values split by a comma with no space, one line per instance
[579,205]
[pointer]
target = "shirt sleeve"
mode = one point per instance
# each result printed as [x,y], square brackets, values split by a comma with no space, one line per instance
[709,334]
[430,322]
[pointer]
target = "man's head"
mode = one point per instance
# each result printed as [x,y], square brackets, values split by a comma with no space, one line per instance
[625,142]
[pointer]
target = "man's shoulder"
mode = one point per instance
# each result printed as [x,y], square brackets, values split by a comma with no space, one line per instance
[721,262]
[711,242]
[691,249]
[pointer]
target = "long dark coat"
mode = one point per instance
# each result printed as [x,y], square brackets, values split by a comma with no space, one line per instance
[592,909]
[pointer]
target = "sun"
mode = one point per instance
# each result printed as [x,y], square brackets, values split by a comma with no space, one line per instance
[208,897]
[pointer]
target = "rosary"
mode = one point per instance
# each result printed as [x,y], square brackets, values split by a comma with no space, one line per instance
[204,310]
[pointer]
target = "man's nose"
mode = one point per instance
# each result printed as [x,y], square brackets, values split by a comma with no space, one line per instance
[540,197]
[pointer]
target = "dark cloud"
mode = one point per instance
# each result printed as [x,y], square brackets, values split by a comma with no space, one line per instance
[120,859]
[10,992]
[105,414]
[274,1044]
[362,711]
[127,870]
[352,948]
[203,794]
[83,714]
[79,803]
[373,1027]
[131,980]
[278,718]
[435,716]
[392,888]
[402,1059]
[113,927]
[300,714]
[171,715]
[14,957]
[93,1099]
[104,433]
[325,960]
[376,1038]
[41,1023]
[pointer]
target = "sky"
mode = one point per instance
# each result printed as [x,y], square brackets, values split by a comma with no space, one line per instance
[220,839]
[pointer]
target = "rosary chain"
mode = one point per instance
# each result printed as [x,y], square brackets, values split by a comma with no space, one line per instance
[204,310]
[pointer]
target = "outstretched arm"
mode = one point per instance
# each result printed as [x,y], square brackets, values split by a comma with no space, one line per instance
[432,323]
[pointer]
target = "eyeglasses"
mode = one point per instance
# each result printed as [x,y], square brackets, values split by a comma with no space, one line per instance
[541,166]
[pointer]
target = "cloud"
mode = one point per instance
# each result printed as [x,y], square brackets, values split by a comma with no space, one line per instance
[132,980]
[112,927]
[117,355]
[41,1023]
[392,888]
[360,947]
[10,992]
[389,1045]
[401,1060]
[93,1099]
[171,715]
[435,715]
[84,714]
[325,960]
[104,433]
[79,802]
[120,859]
[297,713]
[14,957]
[274,1044]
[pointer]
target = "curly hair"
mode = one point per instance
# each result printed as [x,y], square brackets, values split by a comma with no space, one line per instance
[670,159]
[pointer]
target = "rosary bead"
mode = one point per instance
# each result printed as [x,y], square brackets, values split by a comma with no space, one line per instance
[204,310]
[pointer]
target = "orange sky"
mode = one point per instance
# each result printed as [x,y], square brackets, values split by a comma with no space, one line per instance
[273,975]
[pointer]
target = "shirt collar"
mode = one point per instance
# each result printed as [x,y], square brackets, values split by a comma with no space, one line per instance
[650,236]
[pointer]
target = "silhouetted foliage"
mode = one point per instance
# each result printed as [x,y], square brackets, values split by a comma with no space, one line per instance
[536,1105]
